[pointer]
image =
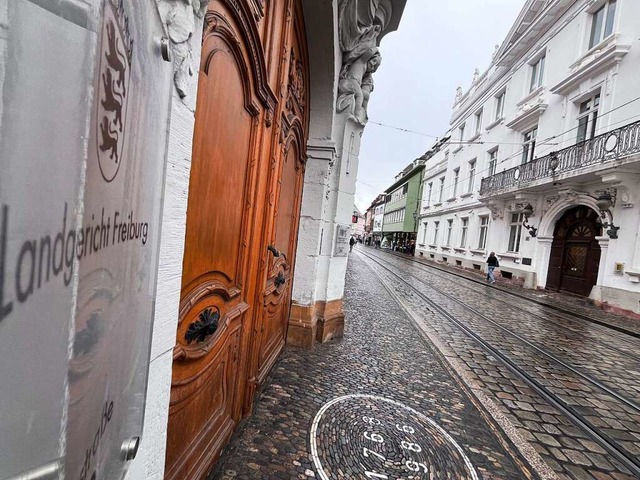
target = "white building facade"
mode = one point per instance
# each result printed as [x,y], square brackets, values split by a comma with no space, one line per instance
[542,165]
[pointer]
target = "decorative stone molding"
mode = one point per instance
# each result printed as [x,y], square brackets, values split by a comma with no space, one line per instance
[529,111]
[497,211]
[458,95]
[180,18]
[566,199]
[605,55]
[360,25]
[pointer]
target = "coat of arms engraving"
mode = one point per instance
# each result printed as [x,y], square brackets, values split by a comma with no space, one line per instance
[115,69]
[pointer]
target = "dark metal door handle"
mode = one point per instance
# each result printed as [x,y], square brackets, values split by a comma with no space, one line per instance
[273,250]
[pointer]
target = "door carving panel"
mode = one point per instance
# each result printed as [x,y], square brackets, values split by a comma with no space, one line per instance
[234,109]
[286,180]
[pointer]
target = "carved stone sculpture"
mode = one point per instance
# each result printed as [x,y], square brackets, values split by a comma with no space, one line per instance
[458,94]
[361,22]
[179,17]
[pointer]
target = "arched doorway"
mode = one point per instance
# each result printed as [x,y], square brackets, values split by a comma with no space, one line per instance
[575,252]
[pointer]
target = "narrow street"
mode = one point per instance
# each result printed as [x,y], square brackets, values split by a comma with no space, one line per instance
[441,377]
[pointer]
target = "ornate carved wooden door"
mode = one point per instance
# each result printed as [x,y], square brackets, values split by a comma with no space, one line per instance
[242,221]
[285,194]
[575,253]
[234,113]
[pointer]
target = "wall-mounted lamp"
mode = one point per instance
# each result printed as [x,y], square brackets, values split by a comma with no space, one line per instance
[604,202]
[527,212]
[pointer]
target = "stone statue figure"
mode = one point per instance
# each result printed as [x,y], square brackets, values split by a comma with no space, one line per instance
[367,81]
[356,84]
[458,94]
[361,22]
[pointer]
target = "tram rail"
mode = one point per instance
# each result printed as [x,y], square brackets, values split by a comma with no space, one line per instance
[566,311]
[617,451]
[625,350]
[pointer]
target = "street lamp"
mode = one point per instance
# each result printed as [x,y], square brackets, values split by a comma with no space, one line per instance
[527,212]
[604,202]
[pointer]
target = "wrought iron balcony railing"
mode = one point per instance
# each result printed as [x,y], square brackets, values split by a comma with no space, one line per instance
[604,148]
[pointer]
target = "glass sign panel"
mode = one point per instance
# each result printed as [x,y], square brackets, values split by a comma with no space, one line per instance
[83,122]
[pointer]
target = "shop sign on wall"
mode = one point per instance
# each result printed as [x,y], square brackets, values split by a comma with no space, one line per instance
[341,247]
[82,143]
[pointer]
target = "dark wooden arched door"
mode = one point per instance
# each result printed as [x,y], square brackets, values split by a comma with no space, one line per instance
[575,252]
[245,190]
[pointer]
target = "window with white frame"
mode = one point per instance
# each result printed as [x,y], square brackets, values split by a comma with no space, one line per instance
[484,228]
[456,179]
[396,216]
[441,192]
[436,227]
[464,227]
[472,175]
[400,193]
[493,162]
[537,73]
[449,230]
[515,232]
[500,104]
[429,191]
[587,118]
[461,133]
[529,145]
[424,232]
[478,121]
[602,22]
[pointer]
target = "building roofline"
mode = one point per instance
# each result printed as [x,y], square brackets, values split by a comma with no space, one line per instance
[405,178]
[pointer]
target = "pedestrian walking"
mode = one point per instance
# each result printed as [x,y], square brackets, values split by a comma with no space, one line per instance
[352,242]
[492,264]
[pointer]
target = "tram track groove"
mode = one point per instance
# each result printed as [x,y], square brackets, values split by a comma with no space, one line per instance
[626,364]
[630,403]
[618,452]
[572,318]
[566,311]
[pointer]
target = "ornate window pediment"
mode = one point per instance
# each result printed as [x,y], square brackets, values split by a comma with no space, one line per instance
[603,56]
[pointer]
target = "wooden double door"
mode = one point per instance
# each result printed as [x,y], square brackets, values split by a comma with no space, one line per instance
[243,212]
[575,252]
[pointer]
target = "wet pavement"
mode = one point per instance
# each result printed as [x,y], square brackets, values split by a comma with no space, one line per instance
[588,368]
[397,411]
[561,300]
[426,384]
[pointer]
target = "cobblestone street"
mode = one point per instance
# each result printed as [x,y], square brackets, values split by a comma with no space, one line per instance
[381,403]
[382,355]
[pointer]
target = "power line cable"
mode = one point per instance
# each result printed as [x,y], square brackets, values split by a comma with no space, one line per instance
[543,143]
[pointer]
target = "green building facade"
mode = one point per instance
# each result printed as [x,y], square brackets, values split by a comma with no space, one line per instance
[402,205]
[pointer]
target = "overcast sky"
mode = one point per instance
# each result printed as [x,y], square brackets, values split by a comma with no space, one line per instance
[436,48]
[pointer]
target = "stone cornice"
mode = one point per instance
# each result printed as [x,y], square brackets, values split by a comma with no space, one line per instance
[601,57]
[524,35]
[533,21]
[527,115]
[321,150]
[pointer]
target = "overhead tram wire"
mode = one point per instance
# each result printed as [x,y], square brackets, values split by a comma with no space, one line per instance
[543,143]
[438,137]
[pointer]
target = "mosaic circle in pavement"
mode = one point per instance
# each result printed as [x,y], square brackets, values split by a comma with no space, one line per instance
[369,437]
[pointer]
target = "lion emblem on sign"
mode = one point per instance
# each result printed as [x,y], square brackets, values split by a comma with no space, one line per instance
[115,69]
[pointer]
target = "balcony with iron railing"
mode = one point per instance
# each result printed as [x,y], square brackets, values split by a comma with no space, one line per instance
[603,150]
